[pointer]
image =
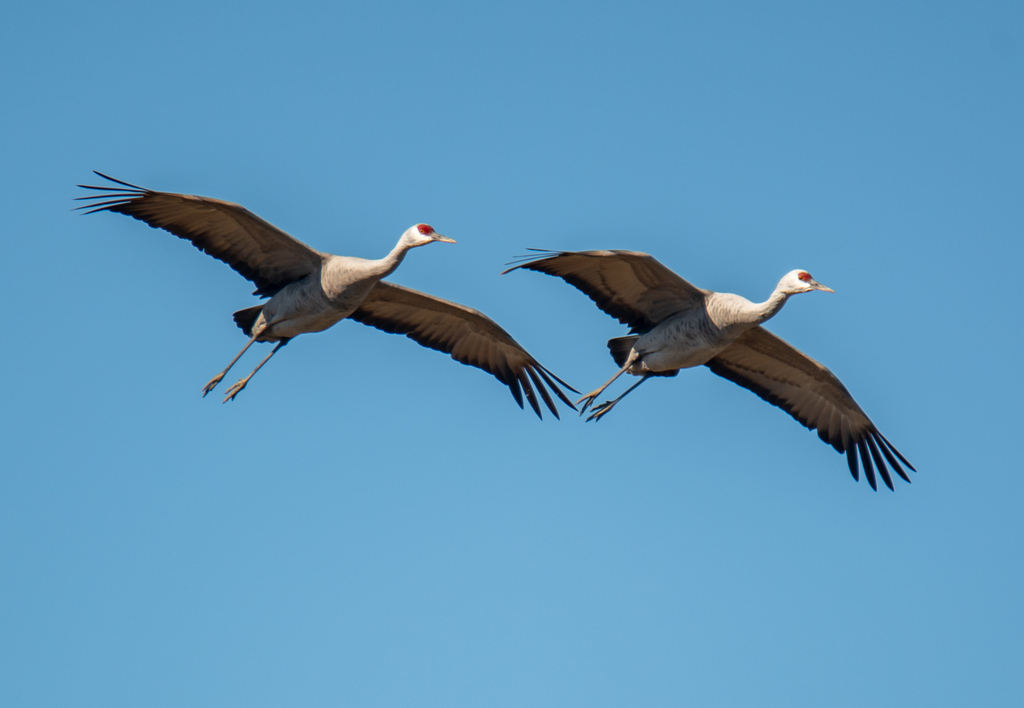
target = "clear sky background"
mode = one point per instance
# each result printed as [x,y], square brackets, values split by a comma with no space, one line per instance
[372,524]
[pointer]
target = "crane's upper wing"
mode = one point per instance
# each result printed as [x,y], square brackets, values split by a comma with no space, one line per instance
[808,391]
[259,251]
[632,287]
[471,337]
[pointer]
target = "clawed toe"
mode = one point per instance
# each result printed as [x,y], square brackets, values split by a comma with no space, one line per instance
[601,410]
[212,384]
[589,398]
[234,390]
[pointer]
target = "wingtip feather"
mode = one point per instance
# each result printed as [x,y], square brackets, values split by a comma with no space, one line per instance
[880,463]
[892,460]
[530,395]
[851,460]
[897,452]
[869,470]
[117,181]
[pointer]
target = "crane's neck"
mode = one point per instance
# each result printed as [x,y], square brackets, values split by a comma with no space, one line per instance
[770,307]
[389,263]
[755,313]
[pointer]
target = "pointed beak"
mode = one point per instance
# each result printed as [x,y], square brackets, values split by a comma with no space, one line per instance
[444,239]
[818,286]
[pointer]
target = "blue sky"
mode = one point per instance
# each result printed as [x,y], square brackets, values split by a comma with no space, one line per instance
[372,524]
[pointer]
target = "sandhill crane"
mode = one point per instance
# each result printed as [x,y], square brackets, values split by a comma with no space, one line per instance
[675,325]
[310,291]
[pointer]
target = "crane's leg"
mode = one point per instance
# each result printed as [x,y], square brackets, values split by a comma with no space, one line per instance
[212,384]
[589,398]
[608,405]
[237,387]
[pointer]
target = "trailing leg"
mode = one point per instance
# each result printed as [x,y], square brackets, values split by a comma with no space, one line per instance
[608,405]
[589,398]
[239,385]
[212,384]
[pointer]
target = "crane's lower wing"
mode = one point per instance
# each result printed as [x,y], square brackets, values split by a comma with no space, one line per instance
[256,249]
[471,338]
[808,391]
[632,287]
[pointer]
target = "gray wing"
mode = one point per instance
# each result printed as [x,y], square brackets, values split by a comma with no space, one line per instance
[257,250]
[632,287]
[808,391]
[471,338]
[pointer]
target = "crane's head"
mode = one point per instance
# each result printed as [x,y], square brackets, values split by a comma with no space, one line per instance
[421,235]
[800,281]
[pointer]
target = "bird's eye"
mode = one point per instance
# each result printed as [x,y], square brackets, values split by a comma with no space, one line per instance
[425,229]
[804,276]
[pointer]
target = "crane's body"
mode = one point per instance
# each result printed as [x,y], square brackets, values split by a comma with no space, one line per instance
[702,330]
[325,297]
[676,325]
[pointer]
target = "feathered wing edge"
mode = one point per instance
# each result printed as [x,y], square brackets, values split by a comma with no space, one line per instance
[634,288]
[115,195]
[399,310]
[254,248]
[860,441]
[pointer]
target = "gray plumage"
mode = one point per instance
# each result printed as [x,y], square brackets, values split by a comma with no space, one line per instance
[310,291]
[676,325]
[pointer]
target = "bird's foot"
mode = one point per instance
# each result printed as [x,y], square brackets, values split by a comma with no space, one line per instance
[597,413]
[585,402]
[235,389]
[212,384]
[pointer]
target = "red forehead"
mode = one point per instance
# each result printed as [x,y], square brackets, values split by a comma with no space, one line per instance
[804,276]
[426,229]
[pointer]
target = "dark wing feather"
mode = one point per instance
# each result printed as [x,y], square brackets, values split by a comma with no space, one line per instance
[808,391]
[471,338]
[632,287]
[257,250]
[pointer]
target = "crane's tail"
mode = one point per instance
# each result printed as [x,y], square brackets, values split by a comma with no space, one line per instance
[246,318]
[620,348]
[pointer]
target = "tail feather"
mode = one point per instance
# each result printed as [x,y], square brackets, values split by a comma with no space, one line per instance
[246,318]
[620,348]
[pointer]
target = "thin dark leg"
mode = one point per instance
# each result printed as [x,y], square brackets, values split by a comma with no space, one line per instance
[216,379]
[608,405]
[589,398]
[237,387]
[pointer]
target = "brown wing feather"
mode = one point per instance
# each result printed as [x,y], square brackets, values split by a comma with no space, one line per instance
[469,336]
[632,287]
[256,249]
[808,391]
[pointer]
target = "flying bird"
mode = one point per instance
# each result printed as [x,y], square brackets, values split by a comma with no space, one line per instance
[675,325]
[309,291]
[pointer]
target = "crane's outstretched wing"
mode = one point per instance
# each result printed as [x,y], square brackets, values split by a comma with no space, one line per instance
[471,338]
[632,287]
[808,391]
[257,250]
